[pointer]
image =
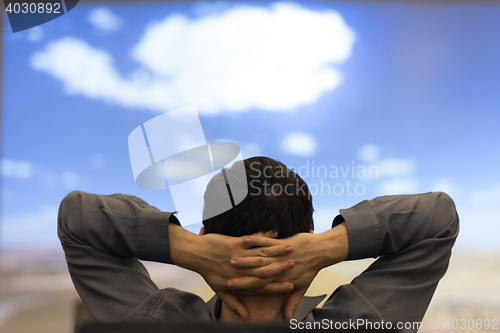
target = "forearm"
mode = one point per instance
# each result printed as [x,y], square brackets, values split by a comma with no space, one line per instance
[332,246]
[185,248]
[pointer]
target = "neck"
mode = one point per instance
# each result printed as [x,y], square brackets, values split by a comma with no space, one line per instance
[260,308]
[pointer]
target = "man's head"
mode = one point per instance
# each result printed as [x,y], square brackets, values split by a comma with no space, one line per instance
[278,200]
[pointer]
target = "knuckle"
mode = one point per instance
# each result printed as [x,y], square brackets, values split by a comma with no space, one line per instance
[260,262]
[265,252]
[257,283]
[265,289]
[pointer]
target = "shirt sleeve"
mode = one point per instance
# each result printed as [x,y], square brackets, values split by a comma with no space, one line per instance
[412,237]
[103,236]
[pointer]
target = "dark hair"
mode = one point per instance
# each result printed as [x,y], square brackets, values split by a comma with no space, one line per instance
[278,200]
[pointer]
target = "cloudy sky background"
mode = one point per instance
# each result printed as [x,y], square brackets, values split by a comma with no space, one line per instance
[409,92]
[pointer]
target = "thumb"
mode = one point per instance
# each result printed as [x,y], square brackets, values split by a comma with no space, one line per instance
[234,303]
[292,303]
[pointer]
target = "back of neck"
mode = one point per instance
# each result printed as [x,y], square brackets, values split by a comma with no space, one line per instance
[260,308]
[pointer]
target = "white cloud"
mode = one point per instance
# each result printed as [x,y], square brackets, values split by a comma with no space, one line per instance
[102,18]
[486,197]
[273,58]
[301,144]
[391,167]
[369,153]
[89,71]
[17,169]
[399,186]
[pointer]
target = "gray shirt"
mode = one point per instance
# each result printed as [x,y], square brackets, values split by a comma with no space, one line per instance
[103,236]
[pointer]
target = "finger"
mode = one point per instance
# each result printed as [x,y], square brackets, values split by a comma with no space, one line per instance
[270,234]
[252,262]
[256,262]
[292,303]
[247,282]
[270,288]
[234,303]
[254,240]
[270,251]
[269,271]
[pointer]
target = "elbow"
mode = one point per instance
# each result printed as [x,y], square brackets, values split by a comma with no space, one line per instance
[69,208]
[446,215]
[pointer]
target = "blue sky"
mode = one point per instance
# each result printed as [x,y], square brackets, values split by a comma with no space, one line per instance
[409,89]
